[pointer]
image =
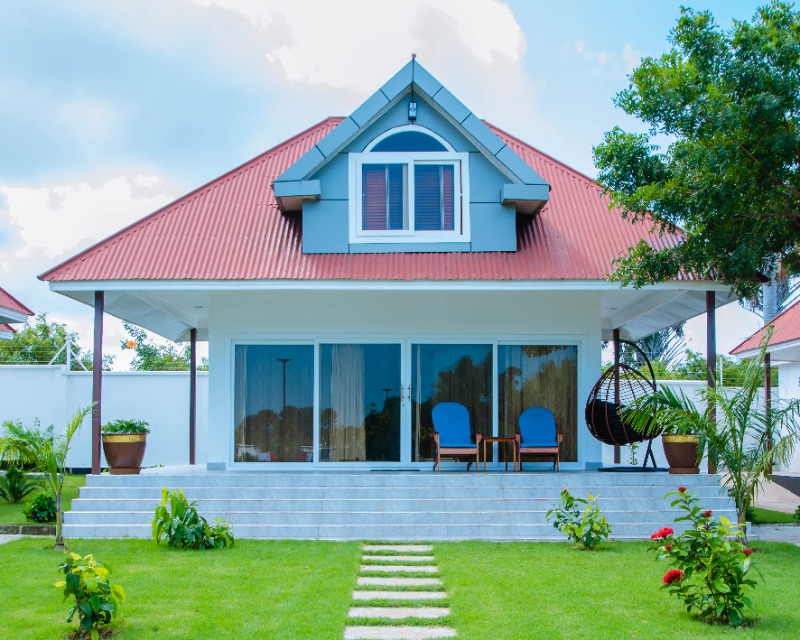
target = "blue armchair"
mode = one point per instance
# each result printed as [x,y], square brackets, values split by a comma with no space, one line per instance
[537,435]
[451,435]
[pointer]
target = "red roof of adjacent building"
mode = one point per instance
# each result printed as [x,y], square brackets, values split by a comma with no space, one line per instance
[231,229]
[7,301]
[786,328]
[7,327]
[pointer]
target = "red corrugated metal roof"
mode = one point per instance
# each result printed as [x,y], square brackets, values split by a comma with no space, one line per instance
[786,328]
[7,327]
[231,229]
[7,301]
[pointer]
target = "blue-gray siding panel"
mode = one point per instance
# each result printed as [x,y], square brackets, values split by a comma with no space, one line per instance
[334,178]
[485,180]
[426,81]
[336,138]
[370,108]
[520,168]
[494,227]
[300,169]
[325,226]
[451,104]
[483,134]
[398,82]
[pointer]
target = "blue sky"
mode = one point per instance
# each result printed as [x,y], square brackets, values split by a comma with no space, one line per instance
[110,109]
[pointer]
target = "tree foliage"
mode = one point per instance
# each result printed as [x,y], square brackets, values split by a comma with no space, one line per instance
[158,357]
[40,341]
[728,103]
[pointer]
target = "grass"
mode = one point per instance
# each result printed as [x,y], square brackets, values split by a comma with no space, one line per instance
[285,590]
[767,516]
[13,513]
[520,591]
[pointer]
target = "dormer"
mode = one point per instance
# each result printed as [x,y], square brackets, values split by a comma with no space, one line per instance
[411,170]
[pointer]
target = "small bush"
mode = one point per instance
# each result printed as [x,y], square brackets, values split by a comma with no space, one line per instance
[177,522]
[42,509]
[96,599]
[585,526]
[709,566]
[16,484]
[797,514]
[126,426]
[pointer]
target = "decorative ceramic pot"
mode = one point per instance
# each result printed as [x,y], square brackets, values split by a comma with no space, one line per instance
[124,452]
[681,452]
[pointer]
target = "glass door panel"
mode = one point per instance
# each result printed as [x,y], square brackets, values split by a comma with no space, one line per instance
[359,400]
[273,403]
[542,376]
[449,373]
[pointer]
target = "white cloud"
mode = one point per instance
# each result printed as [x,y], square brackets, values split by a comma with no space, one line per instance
[54,220]
[360,43]
[598,57]
[88,118]
[625,61]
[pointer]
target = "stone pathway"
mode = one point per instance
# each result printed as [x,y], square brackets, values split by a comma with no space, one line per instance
[399,600]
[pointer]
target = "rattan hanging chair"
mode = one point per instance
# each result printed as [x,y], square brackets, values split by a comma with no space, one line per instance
[602,407]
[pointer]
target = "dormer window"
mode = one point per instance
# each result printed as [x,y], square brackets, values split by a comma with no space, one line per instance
[408,186]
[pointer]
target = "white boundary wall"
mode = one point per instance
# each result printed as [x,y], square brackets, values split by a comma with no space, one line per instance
[53,394]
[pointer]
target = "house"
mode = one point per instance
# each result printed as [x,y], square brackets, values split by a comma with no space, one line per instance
[12,311]
[352,277]
[783,352]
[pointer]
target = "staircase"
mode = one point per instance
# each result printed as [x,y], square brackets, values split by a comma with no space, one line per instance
[386,505]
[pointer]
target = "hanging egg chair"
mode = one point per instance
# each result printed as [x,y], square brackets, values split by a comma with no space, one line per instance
[619,385]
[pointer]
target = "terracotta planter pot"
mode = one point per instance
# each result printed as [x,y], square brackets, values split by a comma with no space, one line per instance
[124,452]
[681,453]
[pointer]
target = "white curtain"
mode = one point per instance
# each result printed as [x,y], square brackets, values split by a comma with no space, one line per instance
[348,437]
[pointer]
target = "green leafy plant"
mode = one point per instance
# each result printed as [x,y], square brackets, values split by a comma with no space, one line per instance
[797,514]
[45,451]
[126,426]
[96,599]
[16,484]
[177,522]
[709,566]
[580,520]
[42,509]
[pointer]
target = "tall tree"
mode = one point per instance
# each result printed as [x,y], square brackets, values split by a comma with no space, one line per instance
[727,102]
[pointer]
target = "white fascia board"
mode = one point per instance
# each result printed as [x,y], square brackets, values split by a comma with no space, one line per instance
[10,316]
[368,285]
[772,350]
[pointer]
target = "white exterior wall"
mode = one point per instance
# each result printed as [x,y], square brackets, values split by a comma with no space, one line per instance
[452,316]
[789,387]
[52,394]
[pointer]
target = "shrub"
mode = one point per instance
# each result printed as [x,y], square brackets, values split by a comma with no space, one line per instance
[96,599]
[586,527]
[42,509]
[126,426]
[177,522]
[709,566]
[797,513]
[15,485]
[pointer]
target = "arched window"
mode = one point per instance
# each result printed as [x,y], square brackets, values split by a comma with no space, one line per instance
[407,186]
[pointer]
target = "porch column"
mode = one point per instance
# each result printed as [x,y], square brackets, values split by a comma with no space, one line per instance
[192,394]
[97,379]
[711,368]
[768,400]
[616,387]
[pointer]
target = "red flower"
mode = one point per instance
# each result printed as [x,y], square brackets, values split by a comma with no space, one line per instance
[673,575]
[663,532]
[747,552]
[707,513]
[682,489]
[667,547]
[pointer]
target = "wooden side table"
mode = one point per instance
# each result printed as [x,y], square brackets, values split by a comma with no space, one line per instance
[512,440]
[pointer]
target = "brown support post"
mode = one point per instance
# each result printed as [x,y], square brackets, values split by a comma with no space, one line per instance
[192,394]
[616,386]
[768,401]
[97,379]
[711,369]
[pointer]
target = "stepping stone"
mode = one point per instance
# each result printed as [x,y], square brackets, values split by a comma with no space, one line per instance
[399,582]
[397,633]
[396,568]
[399,595]
[400,558]
[395,613]
[400,548]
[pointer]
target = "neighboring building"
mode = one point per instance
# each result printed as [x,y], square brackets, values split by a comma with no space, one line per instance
[784,353]
[369,267]
[12,311]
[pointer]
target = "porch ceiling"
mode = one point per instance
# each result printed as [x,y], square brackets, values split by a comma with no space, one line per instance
[172,309]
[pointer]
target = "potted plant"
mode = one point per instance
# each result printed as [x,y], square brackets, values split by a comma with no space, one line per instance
[124,442]
[676,418]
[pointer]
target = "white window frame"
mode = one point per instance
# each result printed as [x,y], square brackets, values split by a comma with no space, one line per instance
[460,164]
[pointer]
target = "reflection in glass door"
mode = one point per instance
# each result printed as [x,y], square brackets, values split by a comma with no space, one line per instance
[359,402]
[448,373]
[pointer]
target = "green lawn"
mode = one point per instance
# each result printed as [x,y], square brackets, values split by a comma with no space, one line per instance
[13,513]
[767,516]
[286,590]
